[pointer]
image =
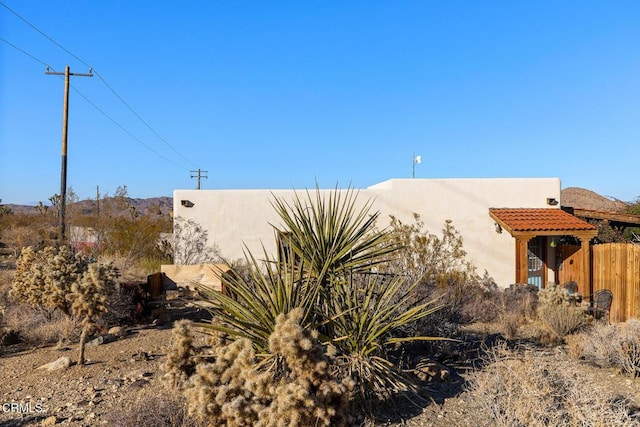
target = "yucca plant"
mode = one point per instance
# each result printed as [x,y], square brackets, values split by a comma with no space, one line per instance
[250,305]
[334,246]
[372,313]
[331,235]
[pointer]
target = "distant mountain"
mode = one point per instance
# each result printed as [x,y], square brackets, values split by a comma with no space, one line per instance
[586,199]
[571,196]
[154,205]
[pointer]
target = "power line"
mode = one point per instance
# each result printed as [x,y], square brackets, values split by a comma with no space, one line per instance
[101,79]
[125,130]
[141,119]
[23,51]
[42,33]
[95,106]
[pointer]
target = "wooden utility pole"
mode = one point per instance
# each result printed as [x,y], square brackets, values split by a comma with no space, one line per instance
[201,174]
[65,125]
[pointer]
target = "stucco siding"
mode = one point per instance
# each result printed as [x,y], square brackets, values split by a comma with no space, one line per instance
[232,217]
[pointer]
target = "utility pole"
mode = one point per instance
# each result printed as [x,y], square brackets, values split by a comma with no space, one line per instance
[201,174]
[65,125]
[98,201]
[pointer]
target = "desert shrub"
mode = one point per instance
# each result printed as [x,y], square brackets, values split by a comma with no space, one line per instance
[159,408]
[516,306]
[609,346]
[129,236]
[521,299]
[558,312]
[324,275]
[191,243]
[438,264]
[58,279]
[526,388]
[124,305]
[39,328]
[297,388]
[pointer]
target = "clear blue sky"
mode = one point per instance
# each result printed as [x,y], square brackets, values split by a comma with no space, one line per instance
[282,94]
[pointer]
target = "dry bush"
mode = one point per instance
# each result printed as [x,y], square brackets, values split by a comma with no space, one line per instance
[609,346]
[559,314]
[157,408]
[525,388]
[39,327]
[439,264]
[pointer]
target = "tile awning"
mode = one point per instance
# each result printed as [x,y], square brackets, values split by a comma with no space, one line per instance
[538,221]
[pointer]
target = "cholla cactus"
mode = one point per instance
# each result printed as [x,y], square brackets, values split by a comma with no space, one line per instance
[181,363]
[56,278]
[44,279]
[236,389]
[554,294]
[226,391]
[311,395]
[88,298]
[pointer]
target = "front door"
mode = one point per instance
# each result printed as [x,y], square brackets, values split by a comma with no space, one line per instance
[535,264]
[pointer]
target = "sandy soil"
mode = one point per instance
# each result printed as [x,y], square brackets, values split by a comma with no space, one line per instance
[125,371]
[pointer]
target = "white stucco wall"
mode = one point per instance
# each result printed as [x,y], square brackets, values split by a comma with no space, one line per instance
[234,217]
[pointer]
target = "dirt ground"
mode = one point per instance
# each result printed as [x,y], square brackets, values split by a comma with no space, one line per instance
[120,373]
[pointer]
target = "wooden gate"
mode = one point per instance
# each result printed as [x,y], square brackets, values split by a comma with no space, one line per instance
[616,266]
[570,266]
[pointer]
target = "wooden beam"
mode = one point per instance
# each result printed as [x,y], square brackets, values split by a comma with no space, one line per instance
[522,259]
[628,219]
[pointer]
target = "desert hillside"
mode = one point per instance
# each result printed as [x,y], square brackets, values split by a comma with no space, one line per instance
[586,199]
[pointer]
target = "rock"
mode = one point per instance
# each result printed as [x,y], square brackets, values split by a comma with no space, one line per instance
[60,363]
[118,331]
[48,422]
[102,339]
[140,356]
[429,370]
[138,384]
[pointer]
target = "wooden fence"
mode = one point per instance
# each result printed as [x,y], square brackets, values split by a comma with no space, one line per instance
[614,266]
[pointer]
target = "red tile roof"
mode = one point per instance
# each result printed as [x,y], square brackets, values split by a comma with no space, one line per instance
[522,220]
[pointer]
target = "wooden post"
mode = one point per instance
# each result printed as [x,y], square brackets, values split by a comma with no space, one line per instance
[65,126]
[585,274]
[522,259]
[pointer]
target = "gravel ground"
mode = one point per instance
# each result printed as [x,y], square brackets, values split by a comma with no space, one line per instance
[128,371]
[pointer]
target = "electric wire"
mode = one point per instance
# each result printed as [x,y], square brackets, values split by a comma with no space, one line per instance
[23,51]
[123,129]
[94,105]
[101,79]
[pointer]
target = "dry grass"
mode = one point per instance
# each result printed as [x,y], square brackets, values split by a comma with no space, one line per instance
[525,388]
[610,346]
[157,408]
[39,327]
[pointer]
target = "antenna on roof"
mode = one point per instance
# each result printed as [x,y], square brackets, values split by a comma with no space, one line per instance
[416,161]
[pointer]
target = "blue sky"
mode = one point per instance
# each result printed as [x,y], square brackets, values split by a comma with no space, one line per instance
[285,94]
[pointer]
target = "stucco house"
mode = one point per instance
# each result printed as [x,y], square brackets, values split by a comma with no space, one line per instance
[510,226]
